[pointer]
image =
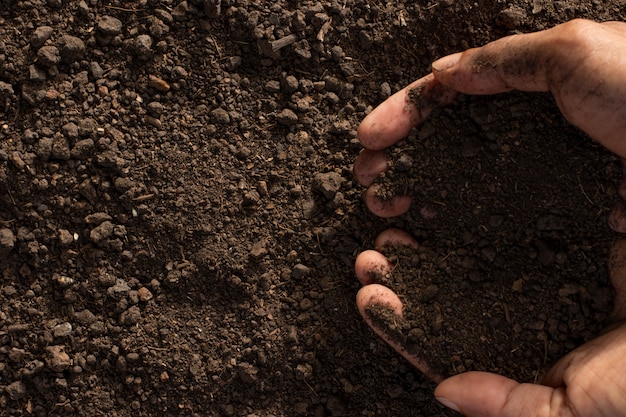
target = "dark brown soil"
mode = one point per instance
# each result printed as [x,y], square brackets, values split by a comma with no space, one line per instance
[178,218]
[509,277]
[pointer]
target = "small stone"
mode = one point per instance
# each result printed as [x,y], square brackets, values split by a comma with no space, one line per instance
[63,280]
[289,84]
[272,86]
[141,47]
[247,372]
[337,53]
[144,294]
[40,36]
[287,117]
[30,136]
[152,120]
[60,147]
[48,56]
[102,232]
[109,26]
[83,8]
[511,18]
[385,89]
[70,130]
[82,149]
[328,183]
[32,368]
[95,70]
[159,84]
[179,72]
[220,116]
[16,390]
[300,271]
[155,108]
[309,208]
[62,330]
[131,316]
[302,49]
[85,317]
[87,127]
[71,48]
[97,218]
[164,16]
[259,249]
[36,74]
[65,237]
[251,198]
[119,290]
[7,242]
[56,358]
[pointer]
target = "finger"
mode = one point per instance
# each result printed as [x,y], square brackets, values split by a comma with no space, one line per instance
[602,356]
[390,207]
[395,117]
[580,62]
[527,62]
[515,62]
[617,217]
[617,274]
[376,295]
[395,237]
[370,265]
[481,394]
[593,375]
[618,27]
[369,165]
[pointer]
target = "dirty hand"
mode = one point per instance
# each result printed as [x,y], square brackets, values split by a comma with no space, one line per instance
[583,64]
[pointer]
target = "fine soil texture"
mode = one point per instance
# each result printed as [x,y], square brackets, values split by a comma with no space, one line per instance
[179,220]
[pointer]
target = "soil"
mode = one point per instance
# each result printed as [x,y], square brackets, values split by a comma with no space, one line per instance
[179,221]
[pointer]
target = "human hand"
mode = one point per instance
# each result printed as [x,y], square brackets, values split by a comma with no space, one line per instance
[580,63]
[590,381]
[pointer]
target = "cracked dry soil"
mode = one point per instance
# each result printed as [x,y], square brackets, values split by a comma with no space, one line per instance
[178,218]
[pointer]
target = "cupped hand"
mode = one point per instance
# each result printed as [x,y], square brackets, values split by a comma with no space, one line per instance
[583,64]
[588,382]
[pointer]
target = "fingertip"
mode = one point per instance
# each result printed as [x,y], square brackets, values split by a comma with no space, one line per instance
[377,295]
[388,123]
[369,164]
[445,63]
[475,393]
[393,119]
[617,217]
[370,264]
[385,208]
[395,237]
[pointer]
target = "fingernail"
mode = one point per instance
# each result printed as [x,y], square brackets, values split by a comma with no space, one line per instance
[446,62]
[448,403]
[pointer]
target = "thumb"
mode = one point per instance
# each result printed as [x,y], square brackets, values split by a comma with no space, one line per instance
[516,62]
[481,394]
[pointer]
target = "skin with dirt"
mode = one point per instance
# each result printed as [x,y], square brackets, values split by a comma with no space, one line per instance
[179,220]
